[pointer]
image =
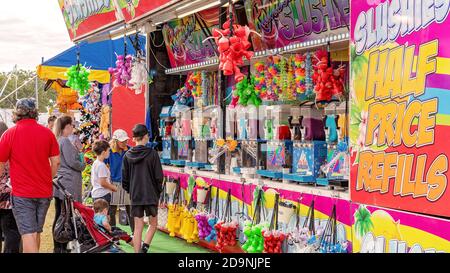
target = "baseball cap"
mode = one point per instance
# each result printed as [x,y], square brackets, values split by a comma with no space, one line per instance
[28,104]
[120,135]
[140,130]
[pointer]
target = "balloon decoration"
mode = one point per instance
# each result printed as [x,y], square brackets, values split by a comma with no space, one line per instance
[327,82]
[77,78]
[122,71]
[233,45]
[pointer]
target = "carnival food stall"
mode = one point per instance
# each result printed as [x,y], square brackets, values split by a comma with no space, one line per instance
[302,126]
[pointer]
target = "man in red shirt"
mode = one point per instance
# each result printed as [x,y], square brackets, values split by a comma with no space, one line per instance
[33,155]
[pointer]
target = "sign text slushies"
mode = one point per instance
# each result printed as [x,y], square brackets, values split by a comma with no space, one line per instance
[398,158]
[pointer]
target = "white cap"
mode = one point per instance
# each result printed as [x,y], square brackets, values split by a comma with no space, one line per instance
[120,135]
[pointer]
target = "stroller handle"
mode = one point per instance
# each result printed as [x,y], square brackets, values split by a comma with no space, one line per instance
[60,187]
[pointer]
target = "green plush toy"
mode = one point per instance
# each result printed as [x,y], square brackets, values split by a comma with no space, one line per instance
[246,92]
[77,78]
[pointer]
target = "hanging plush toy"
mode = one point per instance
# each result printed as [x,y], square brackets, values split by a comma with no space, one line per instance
[138,75]
[77,78]
[232,48]
[245,90]
[255,239]
[226,234]
[204,229]
[122,71]
[212,221]
[327,82]
[273,241]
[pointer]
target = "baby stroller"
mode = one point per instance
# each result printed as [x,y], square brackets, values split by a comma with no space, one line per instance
[88,237]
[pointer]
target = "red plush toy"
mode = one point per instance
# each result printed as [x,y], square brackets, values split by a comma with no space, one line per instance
[232,49]
[226,234]
[273,241]
[327,82]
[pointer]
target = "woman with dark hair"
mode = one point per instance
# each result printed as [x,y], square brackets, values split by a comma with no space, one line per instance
[69,171]
[8,224]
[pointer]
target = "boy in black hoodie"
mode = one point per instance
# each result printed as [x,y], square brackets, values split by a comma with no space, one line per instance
[142,178]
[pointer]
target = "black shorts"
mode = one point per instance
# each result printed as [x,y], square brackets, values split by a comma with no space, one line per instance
[138,210]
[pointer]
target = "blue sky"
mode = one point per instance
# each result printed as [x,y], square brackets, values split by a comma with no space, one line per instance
[29,30]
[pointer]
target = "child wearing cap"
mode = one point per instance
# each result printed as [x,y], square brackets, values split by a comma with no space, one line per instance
[142,177]
[119,147]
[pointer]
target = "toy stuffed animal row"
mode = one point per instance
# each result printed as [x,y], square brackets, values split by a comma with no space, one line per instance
[189,226]
[174,219]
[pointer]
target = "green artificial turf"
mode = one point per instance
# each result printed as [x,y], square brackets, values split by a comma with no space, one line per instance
[163,243]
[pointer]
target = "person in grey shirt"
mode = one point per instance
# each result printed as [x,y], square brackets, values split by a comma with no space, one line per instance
[69,171]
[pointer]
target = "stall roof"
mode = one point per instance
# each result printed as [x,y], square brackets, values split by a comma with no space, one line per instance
[98,56]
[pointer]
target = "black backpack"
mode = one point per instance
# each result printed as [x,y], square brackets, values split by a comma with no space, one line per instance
[64,230]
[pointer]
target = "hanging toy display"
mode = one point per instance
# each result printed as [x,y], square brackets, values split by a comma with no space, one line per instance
[122,71]
[189,226]
[204,229]
[253,229]
[139,72]
[184,96]
[273,237]
[138,75]
[232,42]
[246,92]
[175,213]
[77,78]
[226,228]
[327,83]
[213,218]
[329,242]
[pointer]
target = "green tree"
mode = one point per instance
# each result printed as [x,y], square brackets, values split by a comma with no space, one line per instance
[46,98]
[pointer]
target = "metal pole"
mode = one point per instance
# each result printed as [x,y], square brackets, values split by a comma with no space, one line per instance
[17,93]
[222,83]
[36,90]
